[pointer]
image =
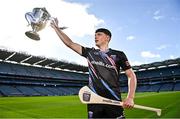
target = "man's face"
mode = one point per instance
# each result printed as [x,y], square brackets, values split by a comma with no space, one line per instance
[101,39]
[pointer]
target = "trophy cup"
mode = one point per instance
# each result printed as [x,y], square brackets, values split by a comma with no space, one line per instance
[37,19]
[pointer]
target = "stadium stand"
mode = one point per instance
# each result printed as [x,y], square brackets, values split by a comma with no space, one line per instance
[155,77]
[22,74]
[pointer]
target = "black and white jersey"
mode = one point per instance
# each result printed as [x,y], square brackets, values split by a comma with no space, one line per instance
[104,70]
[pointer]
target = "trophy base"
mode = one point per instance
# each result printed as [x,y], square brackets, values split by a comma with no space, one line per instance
[32,35]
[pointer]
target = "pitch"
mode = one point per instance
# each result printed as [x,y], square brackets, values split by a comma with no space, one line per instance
[71,107]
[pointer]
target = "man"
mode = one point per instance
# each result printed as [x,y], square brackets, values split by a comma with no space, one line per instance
[104,67]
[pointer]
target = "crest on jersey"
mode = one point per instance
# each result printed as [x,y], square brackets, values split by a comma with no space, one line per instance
[113,57]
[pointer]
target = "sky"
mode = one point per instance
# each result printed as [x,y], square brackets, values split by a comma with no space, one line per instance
[146,31]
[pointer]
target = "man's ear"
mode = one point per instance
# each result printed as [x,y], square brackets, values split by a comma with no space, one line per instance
[108,38]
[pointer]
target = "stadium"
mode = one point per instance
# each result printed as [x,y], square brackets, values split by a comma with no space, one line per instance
[38,87]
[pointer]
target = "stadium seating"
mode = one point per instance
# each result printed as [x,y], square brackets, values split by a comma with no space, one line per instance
[177,86]
[167,87]
[8,90]
[155,80]
[18,79]
[154,88]
[22,80]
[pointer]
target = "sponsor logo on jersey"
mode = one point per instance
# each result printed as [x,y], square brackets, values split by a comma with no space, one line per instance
[102,64]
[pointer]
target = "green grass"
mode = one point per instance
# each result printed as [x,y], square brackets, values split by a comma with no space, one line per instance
[169,102]
[71,107]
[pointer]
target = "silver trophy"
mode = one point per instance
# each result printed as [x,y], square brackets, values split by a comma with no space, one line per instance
[37,19]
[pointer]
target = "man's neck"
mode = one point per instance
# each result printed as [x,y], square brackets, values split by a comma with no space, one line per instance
[105,48]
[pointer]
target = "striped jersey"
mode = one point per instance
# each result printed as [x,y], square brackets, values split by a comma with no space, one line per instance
[104,70]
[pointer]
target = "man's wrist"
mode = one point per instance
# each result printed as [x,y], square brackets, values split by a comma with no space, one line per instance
[130,97]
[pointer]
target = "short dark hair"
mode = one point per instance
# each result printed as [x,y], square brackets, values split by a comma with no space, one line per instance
[106,31]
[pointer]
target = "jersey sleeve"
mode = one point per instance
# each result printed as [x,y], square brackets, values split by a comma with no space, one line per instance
[85,51]
[124,63]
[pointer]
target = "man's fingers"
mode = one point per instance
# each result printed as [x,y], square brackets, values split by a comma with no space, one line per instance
[54,23]
[127,105]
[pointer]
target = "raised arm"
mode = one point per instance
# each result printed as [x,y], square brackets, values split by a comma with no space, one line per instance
[132,82]
[65,39]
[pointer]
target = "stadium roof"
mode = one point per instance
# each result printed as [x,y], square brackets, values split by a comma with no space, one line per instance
[23,58]
[166,63]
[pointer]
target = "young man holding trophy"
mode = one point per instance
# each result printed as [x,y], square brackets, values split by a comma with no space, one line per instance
[104,69]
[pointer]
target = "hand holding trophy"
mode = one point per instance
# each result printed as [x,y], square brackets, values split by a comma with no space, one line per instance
[37,19]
